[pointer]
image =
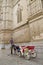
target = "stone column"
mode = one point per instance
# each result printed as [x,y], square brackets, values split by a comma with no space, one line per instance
[7,21]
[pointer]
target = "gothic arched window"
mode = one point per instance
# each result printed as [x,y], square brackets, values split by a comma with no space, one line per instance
[19,14]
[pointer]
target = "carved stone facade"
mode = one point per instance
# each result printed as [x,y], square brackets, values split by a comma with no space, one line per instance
[21,29]
[36,19]
[5,20]
[22,20]
[32,17]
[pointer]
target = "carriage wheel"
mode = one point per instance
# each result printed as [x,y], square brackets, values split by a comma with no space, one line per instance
[34,55]
[27,57]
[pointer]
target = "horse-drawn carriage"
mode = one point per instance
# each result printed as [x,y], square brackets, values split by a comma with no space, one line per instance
[27,52]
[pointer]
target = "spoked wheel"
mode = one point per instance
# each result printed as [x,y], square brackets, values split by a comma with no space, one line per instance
[34,55]
[27,57]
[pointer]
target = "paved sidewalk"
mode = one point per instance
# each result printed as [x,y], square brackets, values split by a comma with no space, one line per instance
[7,59]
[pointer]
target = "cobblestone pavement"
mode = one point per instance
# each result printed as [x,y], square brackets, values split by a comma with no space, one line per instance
[7,59]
